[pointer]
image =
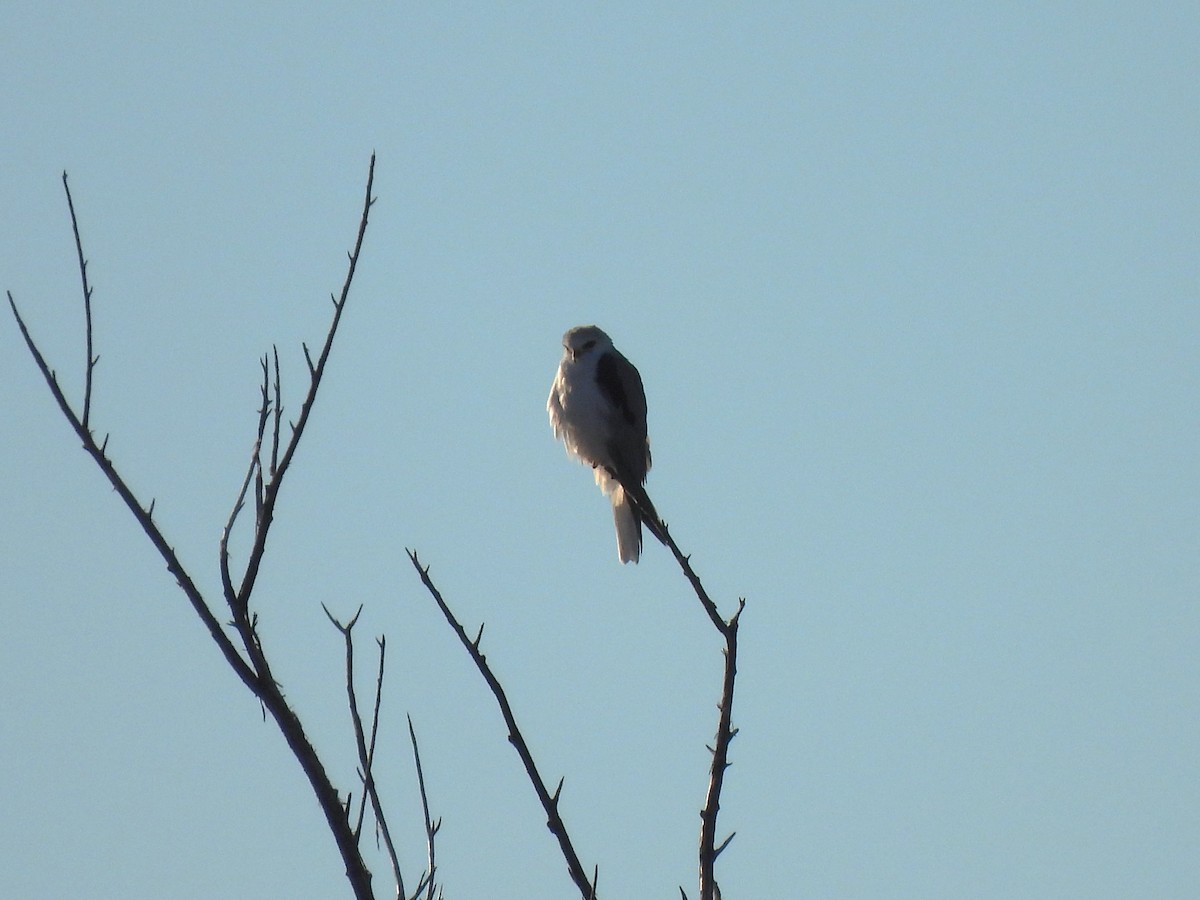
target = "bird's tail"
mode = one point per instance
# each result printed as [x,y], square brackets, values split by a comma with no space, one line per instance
[629,527]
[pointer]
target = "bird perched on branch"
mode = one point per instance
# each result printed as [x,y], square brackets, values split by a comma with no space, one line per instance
[597,408]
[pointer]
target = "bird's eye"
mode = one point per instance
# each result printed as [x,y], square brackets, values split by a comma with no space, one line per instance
[588,345]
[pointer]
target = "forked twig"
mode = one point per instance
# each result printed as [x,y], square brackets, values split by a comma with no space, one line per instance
[365,753]
[549,802]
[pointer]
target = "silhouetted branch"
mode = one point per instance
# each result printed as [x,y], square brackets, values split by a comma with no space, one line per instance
[316,372]
[278,416]
[428,880]
[365,753]
[254,672]
[720,762]
[253,473]
[381,642]
[140,513]
[709,849]
[87,308]
[549,803]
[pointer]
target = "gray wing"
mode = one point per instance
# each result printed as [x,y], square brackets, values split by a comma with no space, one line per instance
[629,446]
[621,384]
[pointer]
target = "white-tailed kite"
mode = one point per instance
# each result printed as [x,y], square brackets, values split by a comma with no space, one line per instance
[597,408]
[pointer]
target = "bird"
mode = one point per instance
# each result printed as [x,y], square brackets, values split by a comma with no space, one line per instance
[597,408]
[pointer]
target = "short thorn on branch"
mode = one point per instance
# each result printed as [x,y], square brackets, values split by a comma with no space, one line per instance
[725,843]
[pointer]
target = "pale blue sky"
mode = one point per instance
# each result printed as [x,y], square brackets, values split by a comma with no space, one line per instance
[914,292]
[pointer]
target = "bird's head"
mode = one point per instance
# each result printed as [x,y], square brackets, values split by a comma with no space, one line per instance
[585,339]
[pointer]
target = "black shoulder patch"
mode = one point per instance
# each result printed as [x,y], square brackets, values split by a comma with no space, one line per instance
[609,381]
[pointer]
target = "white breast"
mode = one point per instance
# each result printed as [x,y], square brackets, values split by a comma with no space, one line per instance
[579,412]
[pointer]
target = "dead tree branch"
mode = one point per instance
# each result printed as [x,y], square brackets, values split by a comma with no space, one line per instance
[87,307]
[428,882]
[366,753]
[252,668]
[549,801]
[728,629]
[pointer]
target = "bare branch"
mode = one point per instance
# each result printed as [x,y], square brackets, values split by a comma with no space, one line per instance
[264,407]
[431,827]
[553,820]
[709,889]
[255,674]
[278,414]
[360,741]
[237,604]
[87,308]
[685,563]
[174,566]
[271,492]
[382,643]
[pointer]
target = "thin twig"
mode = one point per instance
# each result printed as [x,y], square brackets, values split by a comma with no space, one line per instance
[431,827]
[87,308]
[264,410]
[382,643]
[223,551]
[239,604]
[549,803]
[271,492]
[685,563]
[278,414]
[364,755]
[236,604]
